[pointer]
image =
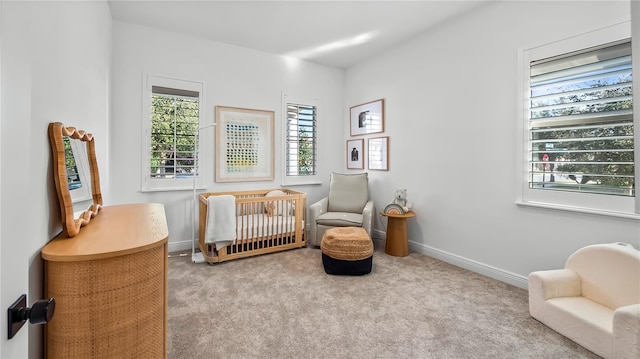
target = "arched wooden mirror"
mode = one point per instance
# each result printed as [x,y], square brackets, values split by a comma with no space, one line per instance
[69,147]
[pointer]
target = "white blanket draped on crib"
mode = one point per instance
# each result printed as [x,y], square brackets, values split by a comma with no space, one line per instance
[221,220]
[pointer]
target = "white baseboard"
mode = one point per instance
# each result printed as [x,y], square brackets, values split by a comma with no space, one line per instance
[379,234]
[180,246]
[477,267]
[480,268]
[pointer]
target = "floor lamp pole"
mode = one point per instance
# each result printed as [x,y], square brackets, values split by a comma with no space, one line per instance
[196,257]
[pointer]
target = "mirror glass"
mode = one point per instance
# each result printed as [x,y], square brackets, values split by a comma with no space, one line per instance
[76,176]
[77,167]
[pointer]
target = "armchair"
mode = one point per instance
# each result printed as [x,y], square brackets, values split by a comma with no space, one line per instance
[347,205]
[594,300]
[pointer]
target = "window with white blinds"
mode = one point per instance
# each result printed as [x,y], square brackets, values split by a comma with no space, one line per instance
[172,112]
[301,140]
[581,133]
[174,124]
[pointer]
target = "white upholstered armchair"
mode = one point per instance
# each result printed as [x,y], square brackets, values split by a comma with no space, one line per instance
[347,205]
[594,300]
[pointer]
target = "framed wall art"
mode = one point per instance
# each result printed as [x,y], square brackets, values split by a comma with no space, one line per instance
[355,154]
[367,118]
[244,144]
[379,153]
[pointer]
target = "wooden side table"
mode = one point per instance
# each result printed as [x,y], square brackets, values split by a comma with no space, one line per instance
[397,243]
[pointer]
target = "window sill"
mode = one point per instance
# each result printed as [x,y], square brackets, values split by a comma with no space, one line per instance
[625,215]
[170,189]
[310,183]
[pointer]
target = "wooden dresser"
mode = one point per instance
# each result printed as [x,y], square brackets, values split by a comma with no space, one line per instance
[110,286]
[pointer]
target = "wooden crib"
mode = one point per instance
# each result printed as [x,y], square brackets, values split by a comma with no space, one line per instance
[265,223]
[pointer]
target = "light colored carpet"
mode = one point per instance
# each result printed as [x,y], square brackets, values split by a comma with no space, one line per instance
[283,305]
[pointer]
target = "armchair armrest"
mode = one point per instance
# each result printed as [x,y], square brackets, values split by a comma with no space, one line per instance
[316,210]
[319,207]
[367,217]
[555,283]
[548,284]
[626,332]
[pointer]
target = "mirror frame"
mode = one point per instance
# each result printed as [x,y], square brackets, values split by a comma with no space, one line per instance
[70,225]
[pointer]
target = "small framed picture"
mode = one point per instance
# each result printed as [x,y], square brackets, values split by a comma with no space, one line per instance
[379,153]
[355,154]
[367,118]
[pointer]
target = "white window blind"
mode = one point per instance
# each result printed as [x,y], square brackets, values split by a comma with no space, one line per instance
[174,125]
[581,122]
[301,145]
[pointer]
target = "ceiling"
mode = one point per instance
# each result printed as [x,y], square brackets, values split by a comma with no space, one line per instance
[334,33]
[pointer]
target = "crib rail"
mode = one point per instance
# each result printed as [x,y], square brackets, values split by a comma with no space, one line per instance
[265,224]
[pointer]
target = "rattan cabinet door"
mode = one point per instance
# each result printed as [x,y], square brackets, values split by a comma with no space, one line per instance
[109,305]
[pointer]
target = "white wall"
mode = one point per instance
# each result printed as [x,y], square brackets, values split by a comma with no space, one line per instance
[232,76]
[451,97]
[55,67]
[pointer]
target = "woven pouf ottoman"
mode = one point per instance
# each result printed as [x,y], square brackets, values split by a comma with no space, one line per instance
[346,251]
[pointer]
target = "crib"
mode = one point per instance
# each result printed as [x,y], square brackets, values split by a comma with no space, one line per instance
[265,223]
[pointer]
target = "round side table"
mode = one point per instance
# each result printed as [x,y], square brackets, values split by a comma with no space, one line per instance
[397,243]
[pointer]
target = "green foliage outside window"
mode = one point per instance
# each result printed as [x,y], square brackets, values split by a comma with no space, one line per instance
[73,179]
[174,124]
[305,155]
[608,145]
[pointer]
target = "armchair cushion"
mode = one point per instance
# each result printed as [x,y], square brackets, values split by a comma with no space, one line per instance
[583,321]
[606,273]
[340,219]
[348,193]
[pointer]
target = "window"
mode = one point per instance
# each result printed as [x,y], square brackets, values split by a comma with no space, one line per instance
[301,140]
[174,122]
[579,125]
[172,115]
[301,148]
[581,122]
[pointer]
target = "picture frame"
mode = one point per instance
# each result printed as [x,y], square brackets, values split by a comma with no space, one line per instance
[367,118]
[379,153]
[355,154]
[244,144]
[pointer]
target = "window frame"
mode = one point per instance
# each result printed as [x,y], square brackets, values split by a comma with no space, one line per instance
[299,180]
[149,184]
[619,206]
